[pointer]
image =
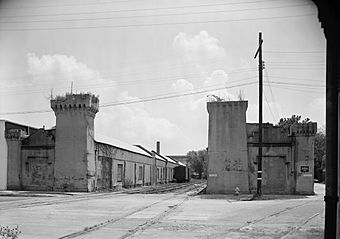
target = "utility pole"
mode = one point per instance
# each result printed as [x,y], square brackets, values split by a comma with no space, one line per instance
[259,157]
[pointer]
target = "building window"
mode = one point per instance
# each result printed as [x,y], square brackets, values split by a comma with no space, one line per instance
[158,174]
[140,172]
[27,167]
[120,173]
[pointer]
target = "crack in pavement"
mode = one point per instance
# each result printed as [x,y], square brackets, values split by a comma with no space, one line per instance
[298,227]
[89,229]
[273,214]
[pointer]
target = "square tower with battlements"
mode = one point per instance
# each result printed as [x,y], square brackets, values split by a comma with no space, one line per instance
[75,146]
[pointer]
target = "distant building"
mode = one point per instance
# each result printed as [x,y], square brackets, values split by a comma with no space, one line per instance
[69,157]
[288,157]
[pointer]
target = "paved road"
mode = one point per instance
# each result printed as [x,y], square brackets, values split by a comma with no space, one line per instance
[170,215]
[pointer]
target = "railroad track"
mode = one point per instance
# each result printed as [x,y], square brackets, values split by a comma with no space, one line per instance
[131,232]
[190,188]
[250,224]
[38,201]
[161,188]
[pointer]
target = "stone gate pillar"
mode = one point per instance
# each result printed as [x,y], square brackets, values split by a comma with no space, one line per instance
[227,147]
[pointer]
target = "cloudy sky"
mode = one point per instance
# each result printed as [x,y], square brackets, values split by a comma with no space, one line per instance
[154,63]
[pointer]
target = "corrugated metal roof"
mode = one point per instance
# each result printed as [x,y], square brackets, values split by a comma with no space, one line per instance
[169,159]
[166,158]
[150,153]
[120,144]
[177,161]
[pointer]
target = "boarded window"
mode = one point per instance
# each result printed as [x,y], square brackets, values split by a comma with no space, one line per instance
[120,173]
[140,172]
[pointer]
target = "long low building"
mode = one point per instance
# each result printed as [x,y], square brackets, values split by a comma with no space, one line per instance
[69,157]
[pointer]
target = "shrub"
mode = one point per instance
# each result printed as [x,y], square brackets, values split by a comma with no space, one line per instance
[9,233]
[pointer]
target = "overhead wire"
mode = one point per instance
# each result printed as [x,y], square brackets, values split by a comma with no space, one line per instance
[272,94]
[299,89]
[105,84]
[152,15]
[295,52]
[151,98]
[137,10]
[169,96]
[270,110]
[156,24]
[97,3]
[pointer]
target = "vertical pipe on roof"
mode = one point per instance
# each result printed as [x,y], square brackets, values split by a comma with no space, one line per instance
[158,147]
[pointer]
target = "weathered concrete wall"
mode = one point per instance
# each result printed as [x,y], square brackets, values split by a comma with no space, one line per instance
[288,160]
[10,168]
[115,182]
[304,154]
[104,175]
[147,174]
[14,160]
[3,157]
[37,169]
[129,179]
[277,162]
[277,167]
[227,144]
[130,161]
[37,160]
[75,148]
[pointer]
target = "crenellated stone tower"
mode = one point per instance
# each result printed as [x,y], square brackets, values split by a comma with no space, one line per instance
[75,146]
[227,147]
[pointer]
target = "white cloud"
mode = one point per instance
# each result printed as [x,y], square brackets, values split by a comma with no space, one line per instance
[219,79]
[271,113]
[182,85]
[131,122]
[134,124]
[316,111]
[198,47]
[58,71]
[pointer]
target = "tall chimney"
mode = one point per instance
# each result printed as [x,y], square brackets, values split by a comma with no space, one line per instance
[158,148]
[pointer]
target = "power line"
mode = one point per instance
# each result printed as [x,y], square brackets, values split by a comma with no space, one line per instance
[292,62]
[105,84]
[168,96]
[136,10]
[154,15]
[272,94]
[307,90]
[295,52]
[297,68]
[294,78]
[156,24]
[147,99]
[175,95]
[297,84]
[271,112]
[65,5]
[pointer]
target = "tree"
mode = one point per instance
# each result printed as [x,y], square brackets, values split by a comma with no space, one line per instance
[285,123]
[198,161]
[319,154]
